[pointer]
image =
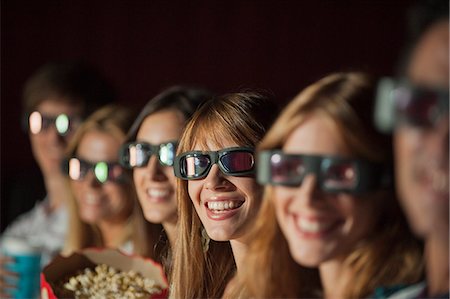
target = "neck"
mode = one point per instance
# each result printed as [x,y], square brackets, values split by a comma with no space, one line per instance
[171,231]
[58,190]
[239,249]
[113,233]
[437,263]
[334,276]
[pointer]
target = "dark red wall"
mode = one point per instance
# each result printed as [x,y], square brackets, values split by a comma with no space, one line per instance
[145,46]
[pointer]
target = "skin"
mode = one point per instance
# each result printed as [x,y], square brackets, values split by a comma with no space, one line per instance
[48,149]
[155,183]
[218,187]
[321,229]
[422,161]
[48,146]
[107,205]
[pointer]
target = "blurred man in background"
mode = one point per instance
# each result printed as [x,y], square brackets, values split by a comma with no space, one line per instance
[55,100]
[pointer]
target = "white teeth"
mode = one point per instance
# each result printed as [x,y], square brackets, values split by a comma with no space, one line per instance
[222,205]
[157,192]
[310,226]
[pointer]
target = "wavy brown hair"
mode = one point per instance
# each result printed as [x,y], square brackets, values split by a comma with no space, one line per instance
[244,119]
[389,255]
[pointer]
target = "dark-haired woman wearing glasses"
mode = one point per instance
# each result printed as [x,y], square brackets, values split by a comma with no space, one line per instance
[150,152]
[218,197]
[105,211]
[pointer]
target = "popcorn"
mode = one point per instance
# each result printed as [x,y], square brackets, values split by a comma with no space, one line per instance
[103,273]
[108,282]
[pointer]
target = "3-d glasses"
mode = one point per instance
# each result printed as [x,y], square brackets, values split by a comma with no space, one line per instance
[77,169]
[137,154]
[234,161]
[399,102]
[36,122]
[333,173]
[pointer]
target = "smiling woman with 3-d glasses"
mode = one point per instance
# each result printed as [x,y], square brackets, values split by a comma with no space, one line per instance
[105,211]
[150,152]
[218,197]
[328,183]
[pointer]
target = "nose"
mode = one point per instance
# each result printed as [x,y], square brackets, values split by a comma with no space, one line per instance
[155,170]
[52,134]
[216,180]
[91,180]
[308,192]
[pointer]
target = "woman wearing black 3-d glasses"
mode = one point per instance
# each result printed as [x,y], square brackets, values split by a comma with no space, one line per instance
[218,196]
[105,211]
[328,183]
[150,152]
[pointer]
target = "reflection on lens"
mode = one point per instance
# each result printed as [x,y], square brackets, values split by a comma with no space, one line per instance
[101,171]
[195,166]
[138,155]
[132,155]
[276,158]
[35,122]
[237,161]
[115,172]
[166,154]
[340,176]
[74,169]
[62,123]
[287,170]
[417,107]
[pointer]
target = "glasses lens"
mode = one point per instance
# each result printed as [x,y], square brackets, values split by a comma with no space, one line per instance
[195,166]
[419,108]
[237,161]
[101,171]
[115,172]
[62,124]
[77,169]
[138,155]
[340,176]
[167,153]
[35,122]
[287,170]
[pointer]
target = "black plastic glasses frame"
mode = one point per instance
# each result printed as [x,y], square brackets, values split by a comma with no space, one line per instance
[148,150]
[63,123]
[368,175]
[103,171]
[399,102]
[214,157]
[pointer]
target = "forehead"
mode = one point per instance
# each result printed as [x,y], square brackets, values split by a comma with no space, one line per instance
[429,64]
[97,146]
[161,126]
[58,105]
[318,135]
[214,145]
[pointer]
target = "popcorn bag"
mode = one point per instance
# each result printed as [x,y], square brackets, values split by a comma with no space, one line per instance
[103,273]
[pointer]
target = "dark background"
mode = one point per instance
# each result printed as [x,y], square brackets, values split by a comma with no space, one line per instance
[144,46]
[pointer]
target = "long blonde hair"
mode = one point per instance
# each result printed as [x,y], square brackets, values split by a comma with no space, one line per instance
[243,118]
[114,120]
[389,255]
